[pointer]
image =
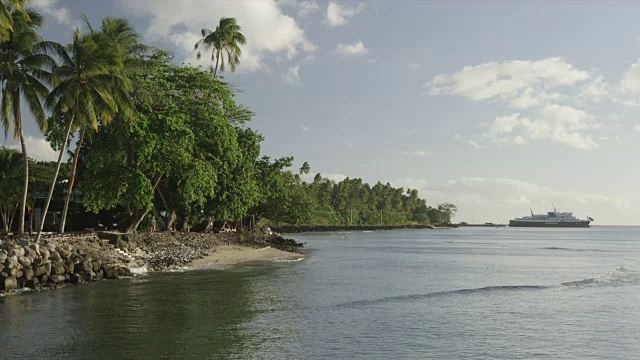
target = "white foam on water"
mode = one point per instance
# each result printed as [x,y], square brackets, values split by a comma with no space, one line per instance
[139,270]
[618,276]
[287,260]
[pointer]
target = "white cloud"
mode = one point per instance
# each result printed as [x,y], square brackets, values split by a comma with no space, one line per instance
[511,198]
[417,153]
[557,123]
[413,66]
[631,79]
[636,127]
[507,80]
[305,129]
[469,142]
[306,8]
[51,8]
[354,49]
[411,183]
[533,87]
[267,29]
[293,75]
[38,149]
[337,14]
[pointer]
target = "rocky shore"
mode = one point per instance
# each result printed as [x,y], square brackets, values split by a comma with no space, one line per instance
[80,258]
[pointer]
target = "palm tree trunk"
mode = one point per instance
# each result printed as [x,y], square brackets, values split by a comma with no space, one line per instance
[215,69]
[53,183]
[16,109]
[73,177]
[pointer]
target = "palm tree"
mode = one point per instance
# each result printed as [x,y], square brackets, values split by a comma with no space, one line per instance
[305,168]
[6,18]
[226,38]
[120,37]
[87,85]
[23,64]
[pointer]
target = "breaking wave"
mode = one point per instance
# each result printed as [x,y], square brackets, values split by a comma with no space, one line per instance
[618,276]
[411,297]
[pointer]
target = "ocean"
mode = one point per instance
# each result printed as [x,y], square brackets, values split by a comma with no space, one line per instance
[482,293]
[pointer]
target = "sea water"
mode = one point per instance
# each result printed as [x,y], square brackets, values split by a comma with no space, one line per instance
[458,293]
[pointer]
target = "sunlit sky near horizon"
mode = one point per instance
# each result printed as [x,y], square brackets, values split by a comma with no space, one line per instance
[497,107]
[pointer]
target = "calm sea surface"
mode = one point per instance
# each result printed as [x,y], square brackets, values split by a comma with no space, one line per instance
[460,293]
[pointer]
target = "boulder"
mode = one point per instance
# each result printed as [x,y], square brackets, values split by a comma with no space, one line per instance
[96,265]
[115,271]
[57,268]
[44,253]
[35,248]
[24,261]
[69,266]
[65,254]
[43,279]
[54,256]
[56,279]
[3,256]
[10,283]
[84,266]
[17,251]
[43,269]
[28,273]
[11,262]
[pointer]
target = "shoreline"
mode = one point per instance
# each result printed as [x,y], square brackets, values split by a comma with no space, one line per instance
[292,229]
[79,258]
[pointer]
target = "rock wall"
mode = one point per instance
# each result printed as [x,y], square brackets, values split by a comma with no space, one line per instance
[327,228]
[56,263]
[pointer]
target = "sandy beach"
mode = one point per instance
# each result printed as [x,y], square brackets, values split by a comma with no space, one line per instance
[234,254]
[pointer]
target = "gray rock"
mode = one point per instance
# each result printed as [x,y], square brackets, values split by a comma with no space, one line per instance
[24,261]
[65,254]
[56,279]
[57,268]
[28,273]
[44,269]
[18,251]
[54,256]
[84,266]
[115,271]
[11,262]
[23,243]
[44,253]
[43,279]
[36,248]
[3,256]
[96,265]
[10,283]
[69,266]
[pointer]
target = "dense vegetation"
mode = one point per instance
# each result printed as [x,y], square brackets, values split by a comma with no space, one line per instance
[185,155]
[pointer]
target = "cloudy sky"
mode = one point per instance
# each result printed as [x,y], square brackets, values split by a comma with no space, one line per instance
[497,107]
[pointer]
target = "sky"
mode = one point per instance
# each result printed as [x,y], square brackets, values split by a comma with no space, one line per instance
[498,107]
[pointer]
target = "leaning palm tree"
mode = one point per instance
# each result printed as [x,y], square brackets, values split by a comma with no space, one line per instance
[227,38]
[84,87]
[23,73]
[118,36]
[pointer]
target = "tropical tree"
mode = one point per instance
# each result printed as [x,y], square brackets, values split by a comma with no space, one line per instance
[227,38]
[23,73]
[305,168]
[10,169]
[6,17]
[86,88]
[116,35]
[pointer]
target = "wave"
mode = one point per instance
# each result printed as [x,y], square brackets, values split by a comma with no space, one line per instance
[411,297]
[618,276]
[287,260]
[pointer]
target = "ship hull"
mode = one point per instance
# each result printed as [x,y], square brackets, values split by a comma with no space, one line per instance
[571,224]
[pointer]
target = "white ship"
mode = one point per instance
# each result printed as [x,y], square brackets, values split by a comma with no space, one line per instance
[551,219]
